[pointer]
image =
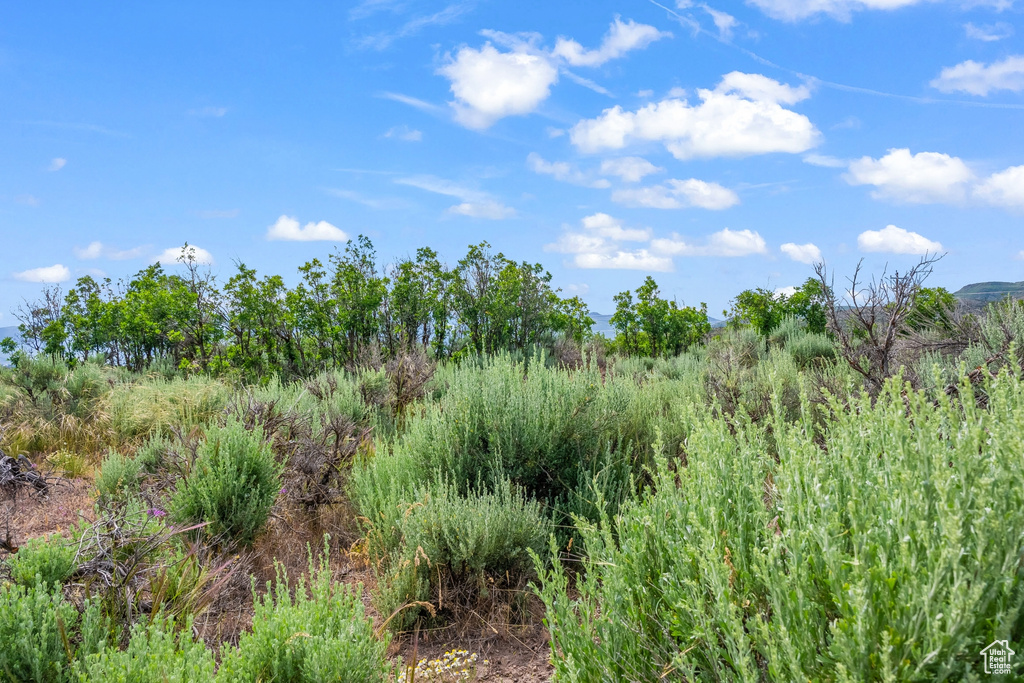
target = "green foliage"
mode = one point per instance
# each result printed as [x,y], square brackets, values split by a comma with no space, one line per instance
[141,409]
[232,485]
[157,652]
[889,552]
[653,326]
[765,310]
[444,537]
[46,561]
[42,635]
[318,632]
[118,477]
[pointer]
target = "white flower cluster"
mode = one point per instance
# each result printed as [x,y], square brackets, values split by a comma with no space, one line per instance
[454,665]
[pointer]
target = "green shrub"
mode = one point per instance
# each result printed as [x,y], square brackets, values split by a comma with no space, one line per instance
[141,409]
[446,537]
[49,561]
[42,635]
[889,552]
[232,485]
[320,633]
[118,477]
[156,653]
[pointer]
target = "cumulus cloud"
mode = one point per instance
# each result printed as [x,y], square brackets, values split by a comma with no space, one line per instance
[175,255]
[988,33]
[490,209]
[564,171]
[1005,188]
[976,78]
[724,22]
[57,164]
[597,246]
[726,242]
[804,253]
[893,240]
[287,229]
[678,194]
[914,178]
[405,133]
[795,10]
[744,115]
[629,169]
[620,39]
[789,290]
[489,85]
[95,250]
[46,274]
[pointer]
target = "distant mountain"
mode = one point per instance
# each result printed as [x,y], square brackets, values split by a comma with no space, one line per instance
[983,292]
[603,324]
[11,332]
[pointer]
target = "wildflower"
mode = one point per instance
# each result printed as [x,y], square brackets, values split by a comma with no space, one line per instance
[156,512]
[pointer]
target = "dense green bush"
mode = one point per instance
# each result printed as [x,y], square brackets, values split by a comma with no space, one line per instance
[890,552]
[232,485]
[42,635]
[49,561]
[318,632]
[157,653]
[118,477]
[439,538]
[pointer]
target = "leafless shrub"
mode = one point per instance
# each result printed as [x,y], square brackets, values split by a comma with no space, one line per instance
[567,353]
[870,323]
[18,478]
[408,375]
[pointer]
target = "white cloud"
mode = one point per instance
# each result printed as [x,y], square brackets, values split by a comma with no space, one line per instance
[564,171]
[976,78]
[57,164]
[629,169]
[475,203]
[597,246]
[794,10]
[603,225]
[825,161]
[726,242]
[96,250]
[620,39]
[176,255]
[916,178]
[988,33]
[804,253]
[287,229]
[92,251]
[742,116]
[724,22]
[490,210]
[893,240]
[405,133]
[489,85]
[28,200]
[1005,188]
[1019,256]
[678,194]
[46,274]
[414,102]
[581,289]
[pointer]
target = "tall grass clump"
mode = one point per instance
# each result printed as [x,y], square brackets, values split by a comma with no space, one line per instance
[232,484]
[892,551]
[316,632]
[155,406]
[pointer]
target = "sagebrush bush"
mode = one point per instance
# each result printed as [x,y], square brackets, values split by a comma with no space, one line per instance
[158,652]
[890,552]
[318,632]
[42,635]
[440,539]
[118,477]
[49,561]
[232,485]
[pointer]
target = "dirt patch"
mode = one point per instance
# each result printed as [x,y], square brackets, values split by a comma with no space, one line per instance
[31,515]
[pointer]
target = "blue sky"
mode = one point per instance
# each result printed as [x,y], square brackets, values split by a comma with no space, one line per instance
[716,146]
